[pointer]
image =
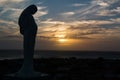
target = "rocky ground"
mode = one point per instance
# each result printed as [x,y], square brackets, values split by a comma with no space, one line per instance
[66,68]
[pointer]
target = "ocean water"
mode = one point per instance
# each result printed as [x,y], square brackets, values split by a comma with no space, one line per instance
[16,54]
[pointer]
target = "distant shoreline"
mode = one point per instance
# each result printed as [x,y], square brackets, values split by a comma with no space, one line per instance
[18,54]
[59,50]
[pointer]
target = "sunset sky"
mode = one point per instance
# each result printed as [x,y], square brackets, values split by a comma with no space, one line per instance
[64,24]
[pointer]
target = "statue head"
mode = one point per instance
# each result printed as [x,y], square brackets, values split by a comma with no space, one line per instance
[32,9]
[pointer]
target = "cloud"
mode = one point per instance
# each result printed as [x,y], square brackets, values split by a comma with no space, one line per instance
[116,10]
[111,1]
[40,13]
[67,14]
[105,9]
[11,3]
[50,21]
[94,9]
[8,28]
[116,20]
[91,22]
[7,22]
[78,5]
[101,3]
[86,12]
[107,12]
[104,3]
[83,26]
[1,1]
[86,29]
[10,11]
[15,13]
[104,13]
[94,32]
[6,31]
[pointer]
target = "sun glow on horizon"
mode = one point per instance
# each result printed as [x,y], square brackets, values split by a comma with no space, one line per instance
[66,42]
[62,40]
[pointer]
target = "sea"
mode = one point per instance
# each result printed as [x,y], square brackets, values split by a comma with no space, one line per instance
[18,54]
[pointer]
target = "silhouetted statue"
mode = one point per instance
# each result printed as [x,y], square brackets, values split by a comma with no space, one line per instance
[28,29]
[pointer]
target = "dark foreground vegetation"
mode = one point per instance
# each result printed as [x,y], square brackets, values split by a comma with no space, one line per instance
[68,68]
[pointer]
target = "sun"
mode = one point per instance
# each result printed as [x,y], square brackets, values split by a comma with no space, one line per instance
[62,40]
[61,37]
